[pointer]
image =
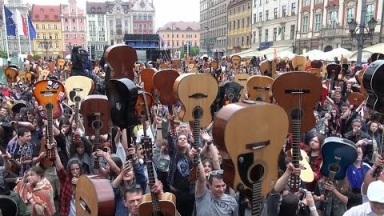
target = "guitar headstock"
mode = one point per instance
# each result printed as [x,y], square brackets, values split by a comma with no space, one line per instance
[121,59]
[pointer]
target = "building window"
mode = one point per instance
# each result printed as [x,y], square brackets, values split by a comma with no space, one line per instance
[43,26]
[306,3]
[275,13]
[317,22]
[369,14]
[284,11]
[260,16]
[266,35]
[274,34]
[332,19]
[292,32]
[37,26]
[254,18]
[305,24]
[282,32]
[266,15]
[55,26]
[350,15]
[56,36]
[293,9]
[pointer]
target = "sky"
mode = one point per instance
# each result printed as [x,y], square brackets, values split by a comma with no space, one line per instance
[166,10]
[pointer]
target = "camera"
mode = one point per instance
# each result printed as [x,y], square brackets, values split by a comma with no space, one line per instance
[369,142]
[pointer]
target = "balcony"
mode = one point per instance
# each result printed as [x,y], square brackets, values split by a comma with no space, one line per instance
[333,32]
[281,20]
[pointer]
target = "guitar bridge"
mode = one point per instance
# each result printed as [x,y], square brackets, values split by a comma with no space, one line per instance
[297,91]
[258,145]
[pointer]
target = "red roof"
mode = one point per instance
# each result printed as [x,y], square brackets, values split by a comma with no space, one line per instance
[46,13]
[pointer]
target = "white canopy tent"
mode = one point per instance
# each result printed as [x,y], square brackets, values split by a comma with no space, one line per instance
[367,52]
[316,55]
[337,53]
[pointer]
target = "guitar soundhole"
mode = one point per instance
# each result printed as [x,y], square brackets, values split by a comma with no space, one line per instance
[76,98]
[259,99]
[49,106]
[197,112]
[97,125]
[297,113]
[72,95]
[334,168]
[257,172]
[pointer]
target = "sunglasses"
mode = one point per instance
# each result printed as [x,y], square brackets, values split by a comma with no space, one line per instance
[216,173]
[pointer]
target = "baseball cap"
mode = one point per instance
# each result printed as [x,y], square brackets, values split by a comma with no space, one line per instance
[376,192]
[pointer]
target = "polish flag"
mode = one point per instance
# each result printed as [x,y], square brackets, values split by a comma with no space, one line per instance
[21,23]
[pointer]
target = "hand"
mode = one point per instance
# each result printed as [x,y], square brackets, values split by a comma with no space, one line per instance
[292,169]
[6,156]
[379,162]
[42,155]
[309,199]
[29,195]
[127,166]
[205,136]
[157,187]
[99,153]
[74,180]
[329,186]
[362,142]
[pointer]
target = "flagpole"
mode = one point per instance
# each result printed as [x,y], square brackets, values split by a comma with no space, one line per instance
[6,34]
[29,36]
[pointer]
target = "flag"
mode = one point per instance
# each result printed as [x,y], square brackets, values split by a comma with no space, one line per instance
[9,22]
[31,28]
[22,28]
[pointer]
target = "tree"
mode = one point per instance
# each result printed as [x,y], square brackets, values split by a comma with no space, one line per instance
[36,56]
[194,51]
[3,54]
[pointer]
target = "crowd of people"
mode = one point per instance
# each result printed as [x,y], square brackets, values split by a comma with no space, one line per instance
[41,187]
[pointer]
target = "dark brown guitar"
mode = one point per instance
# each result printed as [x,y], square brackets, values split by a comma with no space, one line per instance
[121,59]
[298,93]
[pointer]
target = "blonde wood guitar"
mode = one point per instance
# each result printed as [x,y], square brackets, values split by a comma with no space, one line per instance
[253,156]
[78,86]
[306,174]
[260,88]
[242,79]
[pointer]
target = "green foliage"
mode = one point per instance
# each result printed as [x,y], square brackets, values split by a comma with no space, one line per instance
[36,56]
[3,54]
[192,52]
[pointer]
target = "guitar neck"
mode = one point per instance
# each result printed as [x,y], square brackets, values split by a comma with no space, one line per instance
[96,142]
[256,198]
[151,182]
[296,134]
[196,138]
[172,121]
[330,179]
[50,125]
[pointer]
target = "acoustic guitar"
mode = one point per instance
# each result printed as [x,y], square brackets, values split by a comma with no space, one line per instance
[356,98]
[11,74]
[338,154]
[26,77]
[231,92]
[94,196]
[197,93]
[163,82]
[122,96]
[8,206]
[372,82]
[121,59]
[154,204]
[60,62]
[146,76]
[242,79]
[96,114]
[298,63]
[298,93]
[252,163]
[80,86]
[333,71]
[43,74]
[260,88]
[49,94]
[268,68]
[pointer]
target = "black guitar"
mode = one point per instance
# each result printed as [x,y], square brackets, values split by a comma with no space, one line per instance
[373,80]
[232,92]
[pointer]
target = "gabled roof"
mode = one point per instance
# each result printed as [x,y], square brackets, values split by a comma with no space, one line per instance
[46,13]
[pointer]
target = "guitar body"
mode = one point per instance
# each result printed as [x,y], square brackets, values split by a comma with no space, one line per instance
[197,93]
[373,83]
[11,74]
[43,74]
[333,71]
[166,202]
[78,86]
[122,96]
[8,206]
[60,62]
[121,59]
[298,63]
[92,106]
[94,196]
[147,78]
[232,92]
[306,174]
[266,68]
[235,61]
[340,150]
[163,82]
[284,88]
[356,98]
[49,92]
[315,71]
[252,156]
[260,88]
[242,79]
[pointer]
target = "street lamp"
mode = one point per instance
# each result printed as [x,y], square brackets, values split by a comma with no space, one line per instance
[361,32]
